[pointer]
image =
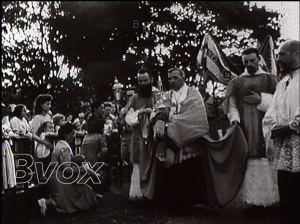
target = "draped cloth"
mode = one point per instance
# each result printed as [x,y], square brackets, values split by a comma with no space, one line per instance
[8,166]
[191,123]
[183,131]
[212,178]
[212,173]
[226,161]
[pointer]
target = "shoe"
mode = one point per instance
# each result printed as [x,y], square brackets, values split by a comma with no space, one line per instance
[43,206]
[98,195]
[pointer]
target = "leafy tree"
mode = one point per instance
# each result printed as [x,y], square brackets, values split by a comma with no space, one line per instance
[157,34]
[114,39]
[178,30]
[29,64]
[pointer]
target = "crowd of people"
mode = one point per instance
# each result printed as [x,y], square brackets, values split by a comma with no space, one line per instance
[178,157]
[52,137]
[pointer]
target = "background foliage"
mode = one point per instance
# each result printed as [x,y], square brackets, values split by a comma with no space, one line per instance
[74,50]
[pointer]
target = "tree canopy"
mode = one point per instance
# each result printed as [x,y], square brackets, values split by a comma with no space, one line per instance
[96,41]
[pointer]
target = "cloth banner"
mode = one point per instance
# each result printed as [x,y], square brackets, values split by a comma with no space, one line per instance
[214,62]
[266,50]
[226,165]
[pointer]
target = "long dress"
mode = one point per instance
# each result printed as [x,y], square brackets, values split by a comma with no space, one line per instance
[65,194]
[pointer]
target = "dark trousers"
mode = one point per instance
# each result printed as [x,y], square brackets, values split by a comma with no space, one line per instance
[182,185]
[289,193]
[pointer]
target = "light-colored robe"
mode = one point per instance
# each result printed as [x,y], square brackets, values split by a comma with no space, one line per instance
[189,124]
[284,107]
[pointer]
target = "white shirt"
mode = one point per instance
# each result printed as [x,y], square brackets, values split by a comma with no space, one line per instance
[177,97]
[20,126]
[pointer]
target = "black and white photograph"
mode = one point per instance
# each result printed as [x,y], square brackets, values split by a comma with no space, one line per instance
[150,112]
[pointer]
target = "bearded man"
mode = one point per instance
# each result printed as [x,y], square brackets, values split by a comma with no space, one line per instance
[281,124]
[138,117]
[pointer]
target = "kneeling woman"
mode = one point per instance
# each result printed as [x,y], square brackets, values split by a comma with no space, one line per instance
[66,195]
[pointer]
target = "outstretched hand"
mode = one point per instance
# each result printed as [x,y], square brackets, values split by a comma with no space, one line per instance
[144,110]
[281,131]
[254,98]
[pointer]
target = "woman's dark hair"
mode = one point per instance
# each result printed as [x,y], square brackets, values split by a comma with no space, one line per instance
[42,128]
[95,125]
[40,99]
[65,129]
[18,111]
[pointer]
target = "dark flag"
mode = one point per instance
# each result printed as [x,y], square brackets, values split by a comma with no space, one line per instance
[266,50]
[213,61]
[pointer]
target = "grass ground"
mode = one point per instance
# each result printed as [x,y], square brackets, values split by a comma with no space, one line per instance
[115,208]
